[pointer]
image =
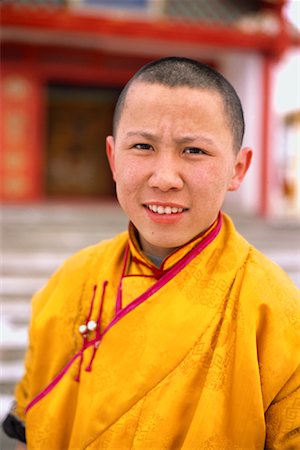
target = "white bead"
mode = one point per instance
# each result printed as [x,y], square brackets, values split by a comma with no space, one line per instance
[82,329]
[92,325]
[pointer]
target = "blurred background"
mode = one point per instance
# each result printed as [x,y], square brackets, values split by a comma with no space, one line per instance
[63,65]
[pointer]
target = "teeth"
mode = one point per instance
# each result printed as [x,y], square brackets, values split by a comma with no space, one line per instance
[164,210]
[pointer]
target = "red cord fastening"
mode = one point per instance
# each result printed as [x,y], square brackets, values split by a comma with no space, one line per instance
[90,326]
[98,334]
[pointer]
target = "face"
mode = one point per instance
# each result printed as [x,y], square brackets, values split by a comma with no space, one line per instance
[173,161]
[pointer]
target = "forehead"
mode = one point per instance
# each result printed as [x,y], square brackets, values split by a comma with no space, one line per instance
[158,93]
[154,104]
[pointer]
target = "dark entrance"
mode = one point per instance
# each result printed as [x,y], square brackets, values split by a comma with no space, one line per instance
[79,119]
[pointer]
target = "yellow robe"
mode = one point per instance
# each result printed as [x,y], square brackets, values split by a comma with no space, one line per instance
[209,361]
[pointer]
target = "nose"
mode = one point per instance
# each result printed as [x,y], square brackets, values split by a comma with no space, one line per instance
[166,174]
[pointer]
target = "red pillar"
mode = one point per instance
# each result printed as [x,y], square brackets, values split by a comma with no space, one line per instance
[21,135]
[266,156]
[281,43]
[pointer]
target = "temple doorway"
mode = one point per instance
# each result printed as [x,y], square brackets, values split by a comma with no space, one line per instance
[79,119]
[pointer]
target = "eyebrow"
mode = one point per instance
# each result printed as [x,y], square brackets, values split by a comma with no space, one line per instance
[144,134]
[181,140]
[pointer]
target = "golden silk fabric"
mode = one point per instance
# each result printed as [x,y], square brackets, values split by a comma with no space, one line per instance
[209,361]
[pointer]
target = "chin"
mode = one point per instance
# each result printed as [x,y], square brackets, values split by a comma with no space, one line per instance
[166,245]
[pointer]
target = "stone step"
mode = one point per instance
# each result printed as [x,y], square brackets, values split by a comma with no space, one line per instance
[32,263]
[12,354]
[61,213]
[52,241]
[11,372]
[13,337]
[17,310]
[6,402]
[12,286]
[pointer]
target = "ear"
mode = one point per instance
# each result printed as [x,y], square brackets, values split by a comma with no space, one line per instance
[110,151]
[241,166]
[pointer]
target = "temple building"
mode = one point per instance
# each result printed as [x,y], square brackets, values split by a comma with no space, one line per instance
[64,63]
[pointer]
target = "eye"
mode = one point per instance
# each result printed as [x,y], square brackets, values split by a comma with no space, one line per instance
[143,146]
[194,151]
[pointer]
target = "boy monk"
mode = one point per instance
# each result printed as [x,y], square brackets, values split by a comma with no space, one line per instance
[177,334]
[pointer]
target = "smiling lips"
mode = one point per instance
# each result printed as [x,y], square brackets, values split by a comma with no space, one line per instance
[159,209]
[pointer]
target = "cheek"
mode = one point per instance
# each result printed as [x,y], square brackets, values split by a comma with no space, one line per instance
[211,182]
[128,176]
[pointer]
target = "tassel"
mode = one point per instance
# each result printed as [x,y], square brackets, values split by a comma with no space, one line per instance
[83,329]
[77,378]
[98,334]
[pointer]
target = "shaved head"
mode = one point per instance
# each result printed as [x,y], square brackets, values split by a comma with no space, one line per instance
[178,71]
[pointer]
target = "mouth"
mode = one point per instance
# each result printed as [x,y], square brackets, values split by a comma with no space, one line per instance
[168,209]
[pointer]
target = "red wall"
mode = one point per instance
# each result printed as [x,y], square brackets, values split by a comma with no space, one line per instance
[21,131]
[26,71]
